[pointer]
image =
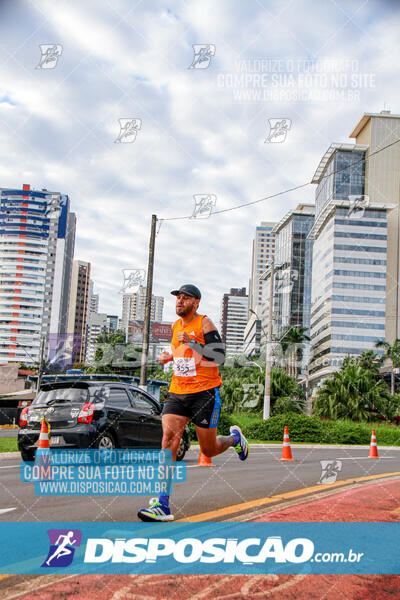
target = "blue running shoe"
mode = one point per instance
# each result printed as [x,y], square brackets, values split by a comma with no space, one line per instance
[240,443]
[155,512]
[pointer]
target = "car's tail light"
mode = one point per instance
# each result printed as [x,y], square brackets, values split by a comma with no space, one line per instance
[86,413]
[23,417]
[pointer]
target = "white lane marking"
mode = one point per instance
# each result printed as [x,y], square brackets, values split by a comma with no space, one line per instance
[4,510]
[10,467]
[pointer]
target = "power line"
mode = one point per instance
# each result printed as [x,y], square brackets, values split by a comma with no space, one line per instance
[293,189]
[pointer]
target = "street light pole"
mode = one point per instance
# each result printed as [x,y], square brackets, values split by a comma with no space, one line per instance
[41,356]
[147,312]
[267,387]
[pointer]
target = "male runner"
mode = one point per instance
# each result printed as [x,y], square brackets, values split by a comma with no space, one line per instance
[193,395]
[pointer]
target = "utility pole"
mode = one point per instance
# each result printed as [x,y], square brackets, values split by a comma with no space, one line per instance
[41,356]
[147,311]
[267,387]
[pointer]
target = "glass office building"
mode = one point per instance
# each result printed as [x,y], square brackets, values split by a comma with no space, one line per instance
[293,268]
[349,264]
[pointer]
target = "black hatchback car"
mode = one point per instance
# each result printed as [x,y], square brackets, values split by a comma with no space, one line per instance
[94,414]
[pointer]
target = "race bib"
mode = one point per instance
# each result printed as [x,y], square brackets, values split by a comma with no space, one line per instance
[184,367]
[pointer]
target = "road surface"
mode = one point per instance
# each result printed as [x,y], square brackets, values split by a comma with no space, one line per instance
[207,489]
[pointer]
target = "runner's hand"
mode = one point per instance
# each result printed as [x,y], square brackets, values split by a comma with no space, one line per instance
[183,337]
[164,358]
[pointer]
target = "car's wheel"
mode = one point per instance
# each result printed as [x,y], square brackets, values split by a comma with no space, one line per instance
[28,455]
[105,441]
[181,450]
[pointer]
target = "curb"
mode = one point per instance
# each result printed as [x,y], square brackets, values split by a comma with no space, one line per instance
[299,496]
[6,455]
[323,446]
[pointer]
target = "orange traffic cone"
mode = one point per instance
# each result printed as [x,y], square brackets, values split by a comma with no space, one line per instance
[373,449]
[44,440]
[286,450]
[43,448]
[42,454]
[204,461]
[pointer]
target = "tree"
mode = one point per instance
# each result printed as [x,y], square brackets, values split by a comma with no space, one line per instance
[353,393]
[112,352]
[367,360]
[392,353]
[284,386]
[292,338]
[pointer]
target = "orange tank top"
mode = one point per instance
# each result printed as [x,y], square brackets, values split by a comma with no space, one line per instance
[192,373]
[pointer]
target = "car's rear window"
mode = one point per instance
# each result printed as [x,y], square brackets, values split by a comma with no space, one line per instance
[70,394]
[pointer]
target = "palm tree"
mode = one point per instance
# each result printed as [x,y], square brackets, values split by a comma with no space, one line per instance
[392,353]
[370,360]
[294,336]
[352,393]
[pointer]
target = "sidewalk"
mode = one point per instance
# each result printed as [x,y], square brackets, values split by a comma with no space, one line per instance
[368,502]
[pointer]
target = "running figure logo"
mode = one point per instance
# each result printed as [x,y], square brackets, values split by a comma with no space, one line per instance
[203,205]
[50,55]
[357,206]
[203,54]
[61,551]
[128,129]
[133,279]
[278,129]
[330,469]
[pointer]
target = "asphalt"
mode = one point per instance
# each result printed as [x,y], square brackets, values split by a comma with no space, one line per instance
[375,500]
[207,489]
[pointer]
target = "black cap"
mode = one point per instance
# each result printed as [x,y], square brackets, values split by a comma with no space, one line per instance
[189,289]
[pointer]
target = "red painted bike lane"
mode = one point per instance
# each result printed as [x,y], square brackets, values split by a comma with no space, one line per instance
[373,502]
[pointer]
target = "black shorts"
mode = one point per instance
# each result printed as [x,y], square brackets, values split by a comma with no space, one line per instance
[202,408]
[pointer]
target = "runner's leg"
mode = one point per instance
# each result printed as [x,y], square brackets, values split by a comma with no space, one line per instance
[212,444]
[173,427]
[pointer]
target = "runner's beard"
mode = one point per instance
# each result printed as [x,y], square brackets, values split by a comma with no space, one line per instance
[182,311]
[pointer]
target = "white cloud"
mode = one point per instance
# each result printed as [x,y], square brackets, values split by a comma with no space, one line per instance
[123,59]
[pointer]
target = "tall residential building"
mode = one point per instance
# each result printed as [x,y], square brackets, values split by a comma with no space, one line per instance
[293,268]
[79,308]
[382,186]
[93,299]
[112,323]
[97,324]
[133,307]
[234,316]
[37,239]
[349,261]
[261,258]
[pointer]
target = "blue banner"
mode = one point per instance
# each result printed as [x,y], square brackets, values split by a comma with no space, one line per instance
[200,548]
[102,472]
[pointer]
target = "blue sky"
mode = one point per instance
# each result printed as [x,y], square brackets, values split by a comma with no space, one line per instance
[202,130]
